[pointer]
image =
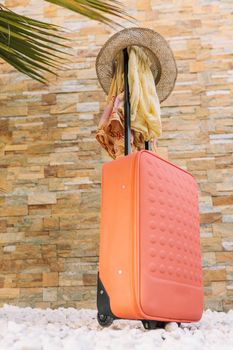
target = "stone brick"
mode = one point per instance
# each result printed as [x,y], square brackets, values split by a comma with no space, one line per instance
[223,229]
[208,259]
[31,295]
[49,251]
[213,304]
[211,244]
[214,274]
[87,107]
[9,293]
[227,244]
[56,184]
[13,210]
[208,218]
[63,108]
[229,270]
[49,294]
[78,274]
[196,67]
[218,288]
[12,237]
[222,200]
[76,294]
[15,148]
[48,99]
[51,223]
[13,111]
[9,281]
[50,279]
[227,305]
[29,279]
[42,198]
[201,164]
[89,279]
[224,257]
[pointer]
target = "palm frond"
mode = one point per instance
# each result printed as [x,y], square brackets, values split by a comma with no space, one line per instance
[98,10]
[31,46]
[34,47]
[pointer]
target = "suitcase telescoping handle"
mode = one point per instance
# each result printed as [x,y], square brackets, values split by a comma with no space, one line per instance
[127,106]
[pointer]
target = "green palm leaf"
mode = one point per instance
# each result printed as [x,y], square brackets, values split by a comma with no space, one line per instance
[96,9]
[31,46]
[34,47]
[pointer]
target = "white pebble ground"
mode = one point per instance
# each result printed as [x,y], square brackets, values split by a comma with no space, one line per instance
[71,329]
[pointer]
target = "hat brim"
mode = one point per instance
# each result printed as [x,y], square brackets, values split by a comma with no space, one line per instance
[163,64]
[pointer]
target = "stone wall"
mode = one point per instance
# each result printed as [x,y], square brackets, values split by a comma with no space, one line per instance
[50,163]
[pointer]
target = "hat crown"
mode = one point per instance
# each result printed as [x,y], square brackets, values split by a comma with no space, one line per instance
[163,65]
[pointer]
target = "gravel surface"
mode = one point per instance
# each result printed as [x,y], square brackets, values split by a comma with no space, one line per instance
[71,329]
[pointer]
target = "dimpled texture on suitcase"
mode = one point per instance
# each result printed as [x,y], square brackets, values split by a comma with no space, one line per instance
[169,241]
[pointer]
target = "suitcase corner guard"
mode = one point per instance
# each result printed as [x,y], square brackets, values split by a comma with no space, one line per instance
[105,316]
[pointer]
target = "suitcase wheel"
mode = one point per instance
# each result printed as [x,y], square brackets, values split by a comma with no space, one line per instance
[153,324]
[104,320]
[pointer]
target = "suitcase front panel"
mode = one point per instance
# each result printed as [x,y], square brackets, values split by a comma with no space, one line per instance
[169,236]
[117,239]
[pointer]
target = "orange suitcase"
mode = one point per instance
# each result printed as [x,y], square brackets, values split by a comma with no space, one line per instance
[150,258]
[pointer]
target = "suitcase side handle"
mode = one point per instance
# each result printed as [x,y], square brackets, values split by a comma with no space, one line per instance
[127,106]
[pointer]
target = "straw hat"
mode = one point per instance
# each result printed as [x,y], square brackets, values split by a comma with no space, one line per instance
[163,65]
